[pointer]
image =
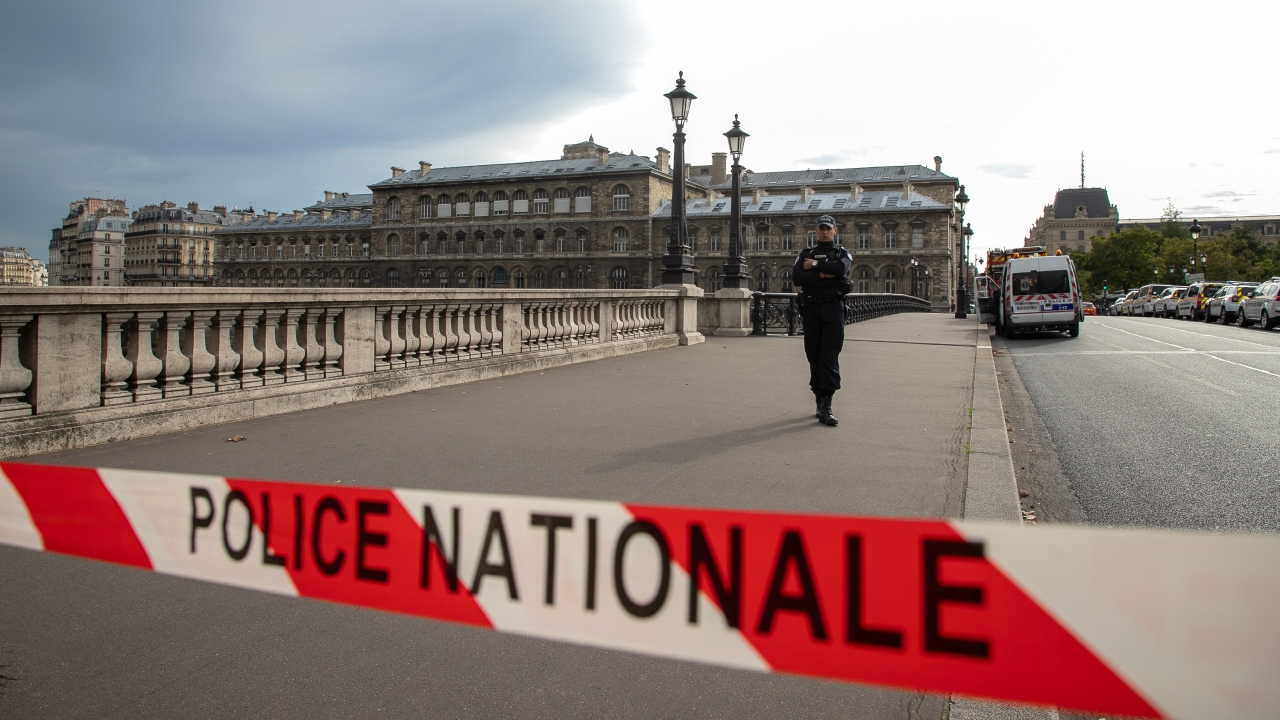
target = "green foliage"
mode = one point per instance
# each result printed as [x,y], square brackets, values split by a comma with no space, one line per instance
[1122,260]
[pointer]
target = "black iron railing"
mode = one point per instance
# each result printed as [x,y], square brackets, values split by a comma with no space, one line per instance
[778,312]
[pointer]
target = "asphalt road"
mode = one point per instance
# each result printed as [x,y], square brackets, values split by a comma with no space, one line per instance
[1150,422]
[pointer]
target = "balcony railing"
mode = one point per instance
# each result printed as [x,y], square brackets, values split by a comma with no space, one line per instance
[779,313]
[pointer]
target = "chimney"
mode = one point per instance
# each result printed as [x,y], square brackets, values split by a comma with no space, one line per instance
[297,216]
[345,195]
[906,190]
[271,217]
[664,160]
[718,172]
[937,163]
[324,213]
[396,172]
[688,170]
[423,168]
[756,194]
[804,194]
[193,206]
[855,191]
[220,210]
[328,195]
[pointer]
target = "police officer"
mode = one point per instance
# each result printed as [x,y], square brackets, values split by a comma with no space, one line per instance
[822,272]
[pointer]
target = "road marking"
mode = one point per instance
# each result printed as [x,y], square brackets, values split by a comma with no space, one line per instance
[1150,352]
[1206,354]
[1201,334]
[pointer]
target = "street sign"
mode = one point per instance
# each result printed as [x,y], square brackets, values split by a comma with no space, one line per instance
[1195,278]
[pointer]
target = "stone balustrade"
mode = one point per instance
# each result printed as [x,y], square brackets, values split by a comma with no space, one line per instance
[81,366]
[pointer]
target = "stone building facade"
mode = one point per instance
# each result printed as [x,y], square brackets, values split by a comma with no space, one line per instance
[1076,217]
[594,219]
[69,264]
[169,246]
[16,267]
[1265,227]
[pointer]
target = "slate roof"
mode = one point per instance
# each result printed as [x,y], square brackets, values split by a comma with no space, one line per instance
[181,214]
[836,176]
[109,223]
[309,222]
[617,162]
[1095,201]
[356,201]
[1215,221]
[818,204]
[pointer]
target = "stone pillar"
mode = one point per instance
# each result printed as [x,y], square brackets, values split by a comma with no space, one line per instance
[173,379]
[686,314]
[66,356]
[294,353]
[14,377]
[249,345]
[332,348]
[734,312]
[116,368]
[197,347]
[604,321]
[357,340]
[146,366]
[224,326]
[273,354]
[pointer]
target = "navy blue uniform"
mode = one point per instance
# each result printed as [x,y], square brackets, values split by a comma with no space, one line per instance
[823,313]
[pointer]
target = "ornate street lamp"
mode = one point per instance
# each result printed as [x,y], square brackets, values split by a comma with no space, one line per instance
[915,277]
[1195,242]
[735,266]
[962,297]
[677,264]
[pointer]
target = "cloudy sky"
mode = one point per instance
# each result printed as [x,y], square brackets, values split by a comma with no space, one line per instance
[271,103]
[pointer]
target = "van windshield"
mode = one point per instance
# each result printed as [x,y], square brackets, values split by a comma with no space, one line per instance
[1041,282]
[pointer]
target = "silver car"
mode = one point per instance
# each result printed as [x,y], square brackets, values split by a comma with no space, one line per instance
[1262,307]
[1166,305]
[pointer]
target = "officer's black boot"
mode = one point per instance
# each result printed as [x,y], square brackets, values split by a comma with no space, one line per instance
[824,411]
[818,412]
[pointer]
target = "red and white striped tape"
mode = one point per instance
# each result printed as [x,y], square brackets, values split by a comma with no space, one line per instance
[1131,622]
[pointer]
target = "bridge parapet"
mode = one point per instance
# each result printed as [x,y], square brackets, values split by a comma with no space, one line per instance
[780,312]
[81,366]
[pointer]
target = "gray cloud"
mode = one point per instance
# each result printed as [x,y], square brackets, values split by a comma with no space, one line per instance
[1015,171]
[1228,194]
[273,102]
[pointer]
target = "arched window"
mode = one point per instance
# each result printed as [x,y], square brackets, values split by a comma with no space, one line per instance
[239,278]
[307,279]
[784,277]
[541,202]
[462,278]
[621,239]
[500,203]
[279,278]
[561,200]
[480,279]
[582,192]
[864,238]
[891,280]
[562,194]
[444,206]
[424,207]
[293,278]
[864,280]
[519,202]
[393,278]
[462,204]
[393,244]
[539,279]
[580,278]
[322,278]
[811,239]
[424,277]
[621,197]
[582,240]
[443,278]
[393,208]
[582,200]
[714,281]
[351,278]
[482,197]
[559,279]
[519,279]
[253,278]
[762,280]
[365,278]
[618,278]
[499,276]
[559,240]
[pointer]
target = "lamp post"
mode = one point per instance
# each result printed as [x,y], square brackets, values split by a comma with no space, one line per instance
[962,292]
[735,266]
[915,272]
[1195,240]
[677,264]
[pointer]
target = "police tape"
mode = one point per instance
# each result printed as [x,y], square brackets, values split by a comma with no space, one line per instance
[1130,622]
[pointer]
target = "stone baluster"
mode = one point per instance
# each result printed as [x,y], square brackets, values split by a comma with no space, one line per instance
[395,326]
[176,363]
[116,368]
[591,318]
[227,359]
[196,345]
[495,323]
[553,337]
[250,345]
[146,366]
[449,324]
[526,326]
[462,326]
[620,319]
[312,329]
[432,338]
[381,339]
[294,352]
[571,317]
[562,324]
[332,348]
[539,326]
[273,354]
[484,319]
[15,378]
[412,332]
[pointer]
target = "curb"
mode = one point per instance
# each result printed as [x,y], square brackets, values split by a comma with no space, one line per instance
[990,493]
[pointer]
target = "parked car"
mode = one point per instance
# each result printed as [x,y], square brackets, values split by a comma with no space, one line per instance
[1123,303]
[1262,306]
[1144,303]
[1090,309]
[1040,293]
[1223,305]
[1167,304]
[1191,305]
[1231,303]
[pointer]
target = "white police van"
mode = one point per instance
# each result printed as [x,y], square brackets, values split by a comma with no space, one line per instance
[1040,293]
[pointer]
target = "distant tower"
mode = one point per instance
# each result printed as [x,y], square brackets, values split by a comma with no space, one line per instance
[1081,169]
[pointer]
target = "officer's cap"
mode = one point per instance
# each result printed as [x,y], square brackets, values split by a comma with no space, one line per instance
[827,220]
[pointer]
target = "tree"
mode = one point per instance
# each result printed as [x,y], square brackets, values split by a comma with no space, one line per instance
[1171,223]
[1123,260]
